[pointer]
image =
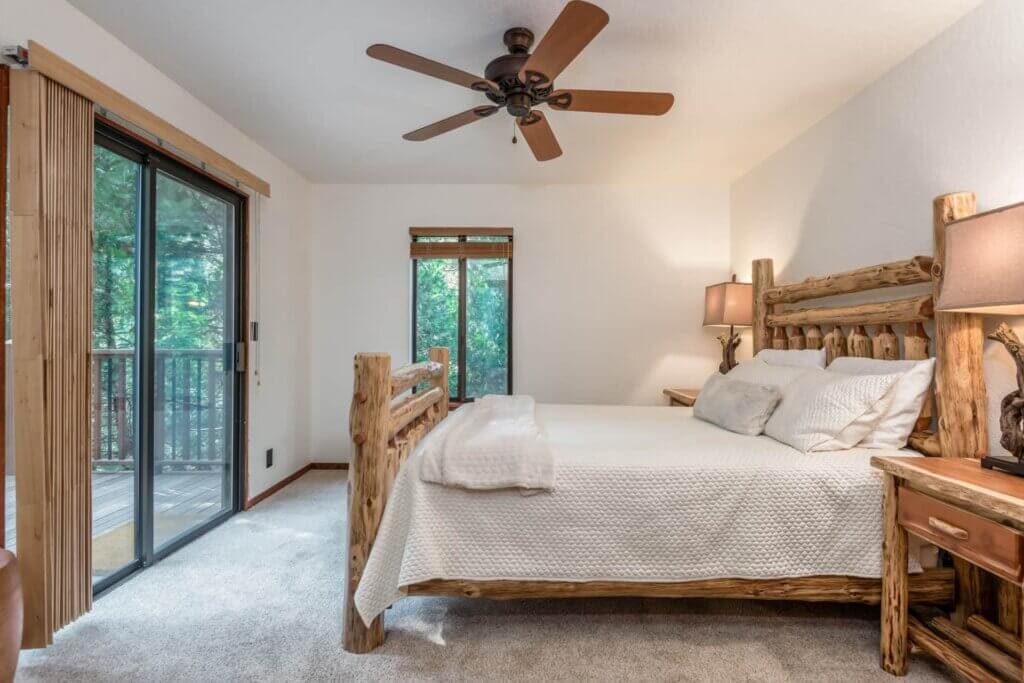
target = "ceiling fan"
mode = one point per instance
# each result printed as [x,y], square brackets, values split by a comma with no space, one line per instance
[521,81]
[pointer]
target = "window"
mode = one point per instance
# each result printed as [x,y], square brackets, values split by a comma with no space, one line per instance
[462,299]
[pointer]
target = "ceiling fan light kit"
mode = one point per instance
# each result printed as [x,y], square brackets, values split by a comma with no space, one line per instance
[520,81]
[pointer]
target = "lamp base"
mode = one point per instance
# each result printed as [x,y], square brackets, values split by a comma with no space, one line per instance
[729,343]
[1003,463]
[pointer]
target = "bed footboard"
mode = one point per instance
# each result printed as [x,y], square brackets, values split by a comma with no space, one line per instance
[386,421]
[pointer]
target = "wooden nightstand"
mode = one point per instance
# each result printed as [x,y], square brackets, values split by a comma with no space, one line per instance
[978,516]
[681,397]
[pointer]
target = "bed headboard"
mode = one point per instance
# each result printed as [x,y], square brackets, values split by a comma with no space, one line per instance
[959,400]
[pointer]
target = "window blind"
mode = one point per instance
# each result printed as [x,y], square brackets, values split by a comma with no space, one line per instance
[459,243]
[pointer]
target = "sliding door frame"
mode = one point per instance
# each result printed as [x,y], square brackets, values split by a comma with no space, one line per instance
[153,162]
[5,96]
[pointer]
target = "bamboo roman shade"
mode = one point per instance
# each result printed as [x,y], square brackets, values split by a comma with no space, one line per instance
[457,243]
[51,249]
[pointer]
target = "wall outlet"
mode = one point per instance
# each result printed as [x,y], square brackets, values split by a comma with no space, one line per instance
[270,457]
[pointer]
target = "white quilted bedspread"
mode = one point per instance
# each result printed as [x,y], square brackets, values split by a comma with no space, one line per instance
[641,494]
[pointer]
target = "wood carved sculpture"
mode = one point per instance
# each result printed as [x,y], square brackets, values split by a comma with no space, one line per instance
[1011,419]
[730,340]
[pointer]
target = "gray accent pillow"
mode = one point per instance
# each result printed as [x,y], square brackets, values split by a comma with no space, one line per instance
[741,407]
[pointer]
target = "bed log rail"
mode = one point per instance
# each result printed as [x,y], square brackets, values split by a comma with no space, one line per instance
[386,422]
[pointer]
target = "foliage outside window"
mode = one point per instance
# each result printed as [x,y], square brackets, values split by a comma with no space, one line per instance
[463,303]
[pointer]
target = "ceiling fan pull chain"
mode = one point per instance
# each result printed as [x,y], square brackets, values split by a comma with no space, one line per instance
[514,138]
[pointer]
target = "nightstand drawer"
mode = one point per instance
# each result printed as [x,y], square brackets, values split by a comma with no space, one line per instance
[978,540]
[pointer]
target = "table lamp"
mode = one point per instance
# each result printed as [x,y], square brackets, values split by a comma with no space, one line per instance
[729,304]
[984,273]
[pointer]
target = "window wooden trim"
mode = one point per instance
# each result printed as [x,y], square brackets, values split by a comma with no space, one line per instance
[70,76]
[460,232]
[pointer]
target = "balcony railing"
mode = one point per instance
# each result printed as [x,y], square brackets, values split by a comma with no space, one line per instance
[188,405]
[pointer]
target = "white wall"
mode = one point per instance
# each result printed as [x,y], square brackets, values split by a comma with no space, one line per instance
[857,188]
[608,286]
[279,405]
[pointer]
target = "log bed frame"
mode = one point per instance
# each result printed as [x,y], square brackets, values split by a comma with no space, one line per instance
[386,422]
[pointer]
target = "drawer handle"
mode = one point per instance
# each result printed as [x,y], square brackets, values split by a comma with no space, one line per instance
[947,528]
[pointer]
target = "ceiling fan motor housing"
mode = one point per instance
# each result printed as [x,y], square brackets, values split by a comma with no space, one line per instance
[517,97]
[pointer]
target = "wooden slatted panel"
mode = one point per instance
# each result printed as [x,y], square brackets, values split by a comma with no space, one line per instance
[52,314]
[858,342]
[797,340]
[815,339]
[780,341]
[916,347]
[835,344]
[885,345]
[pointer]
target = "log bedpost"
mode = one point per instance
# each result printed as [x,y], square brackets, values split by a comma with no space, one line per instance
[370,420]
[961,397]
[763,276]
[895,594]
[439,354]
[959,341]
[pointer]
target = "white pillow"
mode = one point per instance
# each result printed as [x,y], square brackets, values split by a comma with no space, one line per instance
[756,371]
[818,407]
[907,396]
[809,358]
[736,405]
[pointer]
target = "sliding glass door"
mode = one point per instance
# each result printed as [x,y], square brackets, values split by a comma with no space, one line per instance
[117,216]
[165,374]
[194,323]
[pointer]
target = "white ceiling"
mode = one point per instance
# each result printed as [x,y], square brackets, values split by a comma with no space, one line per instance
[748,76]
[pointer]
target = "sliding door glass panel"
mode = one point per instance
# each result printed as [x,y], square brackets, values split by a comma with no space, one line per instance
[116,215]
[486,327]
[194,375]
[437,312]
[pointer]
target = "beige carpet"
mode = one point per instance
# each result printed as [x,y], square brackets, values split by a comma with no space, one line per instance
[259,599]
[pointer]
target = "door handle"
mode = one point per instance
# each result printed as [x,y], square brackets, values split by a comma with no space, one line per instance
[947,528]
[239,356]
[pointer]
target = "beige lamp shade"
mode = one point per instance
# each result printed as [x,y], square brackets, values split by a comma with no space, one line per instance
[984,270]
[729,304]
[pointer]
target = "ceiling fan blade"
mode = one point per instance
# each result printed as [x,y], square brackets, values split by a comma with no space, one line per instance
[450,123]
[612,101]
[574,28]
[407,60]
[539,136]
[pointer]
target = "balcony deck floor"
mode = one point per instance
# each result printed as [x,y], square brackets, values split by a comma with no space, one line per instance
[188,496]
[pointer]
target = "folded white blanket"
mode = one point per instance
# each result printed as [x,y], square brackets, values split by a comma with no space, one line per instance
[492,443]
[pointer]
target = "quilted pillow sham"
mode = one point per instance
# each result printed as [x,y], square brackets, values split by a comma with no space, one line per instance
[829,411]
[738,406]
[756,371]
[907,396]
[805,358]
